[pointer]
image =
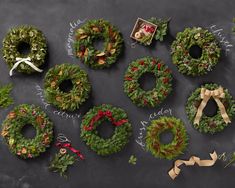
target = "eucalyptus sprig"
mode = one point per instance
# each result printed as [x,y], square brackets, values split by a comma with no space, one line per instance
[5,99]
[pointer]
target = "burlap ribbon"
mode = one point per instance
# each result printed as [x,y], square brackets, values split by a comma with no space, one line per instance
[174,172]
[217,94]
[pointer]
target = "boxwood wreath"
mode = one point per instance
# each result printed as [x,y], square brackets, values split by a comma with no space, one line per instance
[95,30]
[94,118]
[201,38]
[19,117]
[72,99]
[162,88]
[38,48]
[177,145]
[215,123]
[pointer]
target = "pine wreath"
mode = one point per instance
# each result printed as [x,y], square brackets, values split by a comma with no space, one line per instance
[19,117]
[163,81]
[177,145]
[94,117]
[91,31]
[209,124]
[195,37]
[24,35]
[72,99]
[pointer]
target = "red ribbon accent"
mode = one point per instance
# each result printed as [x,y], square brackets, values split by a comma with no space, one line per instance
[69,146]
[101,114]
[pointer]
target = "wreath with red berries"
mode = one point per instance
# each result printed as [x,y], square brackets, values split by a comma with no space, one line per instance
[95,30]
[162,87]
[12,126]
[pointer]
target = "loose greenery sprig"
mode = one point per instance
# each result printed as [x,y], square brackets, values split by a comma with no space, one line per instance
[132,160]
[5,99]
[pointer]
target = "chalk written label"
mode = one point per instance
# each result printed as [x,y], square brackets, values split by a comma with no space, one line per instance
[144,123]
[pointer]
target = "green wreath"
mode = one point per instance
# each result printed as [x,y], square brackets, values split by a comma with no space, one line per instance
[19,117]
[209,124]
[32,37]
[91,31]
[177,145]
[163,82]
[76,96]
[195,37]
[94,118]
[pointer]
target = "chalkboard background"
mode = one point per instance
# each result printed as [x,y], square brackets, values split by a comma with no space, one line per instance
[54,18]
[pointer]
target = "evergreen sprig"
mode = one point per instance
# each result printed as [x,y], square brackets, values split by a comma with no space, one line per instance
[5,99]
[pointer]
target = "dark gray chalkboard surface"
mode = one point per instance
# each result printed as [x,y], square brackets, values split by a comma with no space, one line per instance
[54,18]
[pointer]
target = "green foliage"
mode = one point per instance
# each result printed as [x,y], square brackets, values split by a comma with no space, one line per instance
[34,38]
[110,145]
[132,160]
[76,96]
[163,86]
[162,27]
[95,30]
[233,28]
[231,160]
[177,145]
[5,99]
[209,124]
[188,65]
[61,162]
[19,117]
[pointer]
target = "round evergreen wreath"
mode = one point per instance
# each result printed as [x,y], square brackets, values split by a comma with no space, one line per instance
[94,117]
[209,124]
[76,96]
[177,145]
[19,117]
[31,36]
[202,38]
[91,31]
[163,81]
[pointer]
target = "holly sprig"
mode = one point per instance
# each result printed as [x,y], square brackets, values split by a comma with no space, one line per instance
[5,99]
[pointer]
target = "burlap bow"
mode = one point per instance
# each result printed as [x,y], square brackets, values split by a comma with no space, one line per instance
[217,94]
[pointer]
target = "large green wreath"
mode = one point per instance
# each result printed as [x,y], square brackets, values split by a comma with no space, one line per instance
[163,81]
[19,117]
[201,38]
[31,36]
[209,124]
[175,147]
[76,96]
[91,31]
[94,118]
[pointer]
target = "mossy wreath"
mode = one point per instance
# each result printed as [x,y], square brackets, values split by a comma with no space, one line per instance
[209,124]
[94,118]
[25,35]
[72,99]
[163,85]
[177,145]
[91,31]
[19,117]
[201,38]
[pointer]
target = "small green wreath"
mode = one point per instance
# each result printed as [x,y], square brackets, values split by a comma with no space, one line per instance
[24,35]
[19,117]
[72,99]
[91,31]
[163,81]
[209,124]
[94,118]
[195,37]
[178,143]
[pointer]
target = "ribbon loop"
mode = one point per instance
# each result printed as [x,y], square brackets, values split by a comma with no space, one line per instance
[205,95]
[27,61]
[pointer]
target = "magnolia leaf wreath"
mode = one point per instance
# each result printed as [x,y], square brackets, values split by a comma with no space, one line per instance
[197,102]
[72,99]
[25,63]
[96,30]
[94,118]
[5,99]
[195,37]
[19,117]
[162,87]
[175,147]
